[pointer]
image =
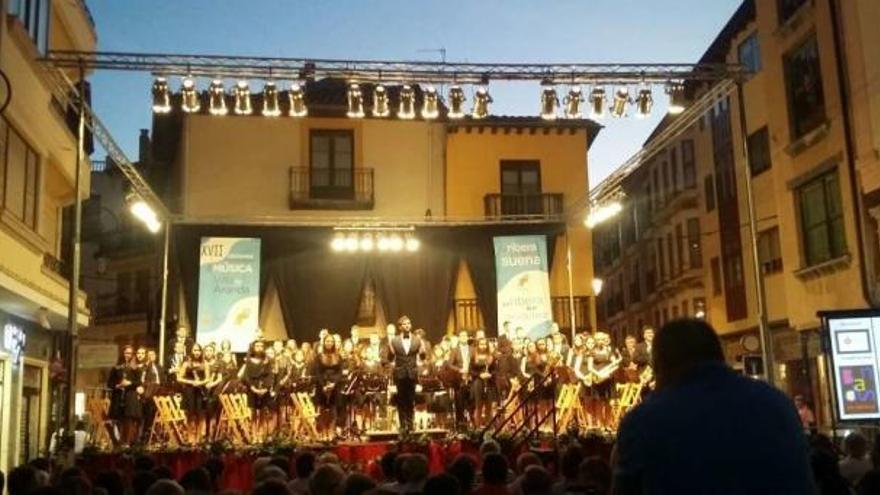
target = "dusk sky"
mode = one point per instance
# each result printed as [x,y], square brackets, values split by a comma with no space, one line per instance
[483,31]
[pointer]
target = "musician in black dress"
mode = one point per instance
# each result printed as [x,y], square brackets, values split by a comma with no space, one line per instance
[482,364]
[256,377]
[602,363]
[152,379]
[439,399]
[193,375]
[116,387]
[132,385]
[405,349]
[328,381]
[460,357]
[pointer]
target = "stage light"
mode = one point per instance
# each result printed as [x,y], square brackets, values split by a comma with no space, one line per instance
[242,98]
[143,212]
[549,103]
[430,107]
[189,96]
[481,103]
[384,243]
[573,102]
[597,103]
[366,243]
[380,102]
[297,99]
[338,242]
[601,213]
[597,286]
[621,100]
[161,98]
[395,243]
[407,108]
[270,100]
[412,244]
[644,103]
[677,100]
[456,103]
[351,243]
[217,98]
[355,101]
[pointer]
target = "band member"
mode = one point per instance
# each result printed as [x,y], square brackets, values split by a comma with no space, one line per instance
[131,388]
[176,359]
[439,401]
[114,382]
[460,361]
[152,379]
[576,349]
[256,376]
[629,367]
[643,355]
[328,375]
[405,349]
[356,342]
[226,348]
[318,345]
[481,381]
[602,364]
[193,375]
[308,353]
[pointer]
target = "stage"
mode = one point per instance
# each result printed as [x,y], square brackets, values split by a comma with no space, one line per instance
[359,456]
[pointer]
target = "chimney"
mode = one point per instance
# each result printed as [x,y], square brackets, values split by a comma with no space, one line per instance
[144,144]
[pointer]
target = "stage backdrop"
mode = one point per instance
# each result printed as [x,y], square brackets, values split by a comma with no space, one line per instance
[523,283]
[229,291]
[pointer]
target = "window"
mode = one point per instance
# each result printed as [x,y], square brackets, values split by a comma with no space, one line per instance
[688,164]
[803,85]
[34,16]
[679,247]
[716,276]
[673,157]
[750,53]
[822,228]
[785,9]
[695,251]
[759,151]
[657,197]
[709,191]
[20,171]
[331,170]
[670,251]
[685,310]
[520,177]
[661,267]
[769,254]
[667,191]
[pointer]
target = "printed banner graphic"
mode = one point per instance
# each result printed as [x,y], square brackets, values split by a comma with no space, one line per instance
[229,291]
[858,389]
[523,284]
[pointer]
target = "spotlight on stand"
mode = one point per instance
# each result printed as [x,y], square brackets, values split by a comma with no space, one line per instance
[297,99]
[573,102]
[270,100]
[161,97]
[380,102]
[430,107]
[217,98]
[242,95]
[621,100]
[189,96]
[481,103]
[456,102]
[355,101]
[597,103]
[549,103]
[143,212]
[644,103]
[407,108]
[677,101]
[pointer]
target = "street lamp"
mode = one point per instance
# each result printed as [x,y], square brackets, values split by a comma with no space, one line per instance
[143,212]
[597,286]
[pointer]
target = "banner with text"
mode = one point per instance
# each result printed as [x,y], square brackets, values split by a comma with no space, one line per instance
[229,291]
[523,283]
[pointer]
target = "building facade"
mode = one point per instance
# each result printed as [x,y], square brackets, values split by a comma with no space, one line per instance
[810,137]
[37,168]
[328,169]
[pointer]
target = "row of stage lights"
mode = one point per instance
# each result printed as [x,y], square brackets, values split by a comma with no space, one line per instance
[573,103]
[352,242]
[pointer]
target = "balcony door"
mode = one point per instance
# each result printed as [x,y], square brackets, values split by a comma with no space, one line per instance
[331,164]
[521,187]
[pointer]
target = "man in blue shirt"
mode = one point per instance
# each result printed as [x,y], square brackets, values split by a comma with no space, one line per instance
[707,429]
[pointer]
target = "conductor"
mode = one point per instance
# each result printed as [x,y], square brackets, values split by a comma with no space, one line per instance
[405,348]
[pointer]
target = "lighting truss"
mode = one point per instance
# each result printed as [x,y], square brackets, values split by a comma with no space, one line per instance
[66,92]
[237,67]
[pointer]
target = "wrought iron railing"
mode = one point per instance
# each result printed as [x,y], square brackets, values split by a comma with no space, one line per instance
[537,205]
[347,189]
[468,315]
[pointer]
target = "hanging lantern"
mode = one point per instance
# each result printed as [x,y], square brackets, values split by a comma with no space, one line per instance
[407,108]
[481,103]
[355,101]
[597,103]
[644,103]
[456,102]
[189,96]
[380,102]
[621,100]
[242,94]
[430,107]
[270,100]
[161,97]
[573,102]
[549,103]
[297,99]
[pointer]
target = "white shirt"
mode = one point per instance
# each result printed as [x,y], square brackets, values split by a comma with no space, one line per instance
[407,342]
[465,357]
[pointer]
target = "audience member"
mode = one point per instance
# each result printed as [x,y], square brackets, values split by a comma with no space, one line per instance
[144,463]
[569,467]
[163,473]
[856,463]
[282,463]
[141,481]
[414,473]
[397,479]
[165,487]
[196,481]
[442,484]
[22,480]
[111,481]
[215,466]
[494,476]
[327,458]
[524,460]
[271,472]
[594,476]
[489,447]
[304,466]
[77,486]
[827,474]
[327,479]
[273,486]
[464,468]
[258,465]
[387,463]
[536,481]
[357,484]
[870,483]
[741,435]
